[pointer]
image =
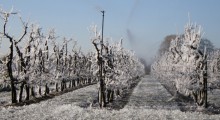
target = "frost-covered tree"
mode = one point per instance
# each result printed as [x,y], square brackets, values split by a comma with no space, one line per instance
[115,68]
[13,44]
[97,41]
[185,64]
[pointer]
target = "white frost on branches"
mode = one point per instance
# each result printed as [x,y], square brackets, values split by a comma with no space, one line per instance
[120,65]
[183,63]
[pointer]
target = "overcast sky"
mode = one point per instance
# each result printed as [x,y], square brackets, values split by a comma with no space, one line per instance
[142,24]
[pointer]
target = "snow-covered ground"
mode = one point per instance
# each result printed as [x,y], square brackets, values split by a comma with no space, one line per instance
[149,93]
[5,97]
[76,105]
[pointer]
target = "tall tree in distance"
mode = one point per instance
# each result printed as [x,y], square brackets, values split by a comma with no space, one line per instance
[206,43]
[164,46]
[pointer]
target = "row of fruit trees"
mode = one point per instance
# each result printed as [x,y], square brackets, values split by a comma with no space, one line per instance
[189,65]
[37,59]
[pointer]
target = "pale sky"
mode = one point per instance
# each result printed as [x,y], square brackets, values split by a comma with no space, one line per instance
[146,21]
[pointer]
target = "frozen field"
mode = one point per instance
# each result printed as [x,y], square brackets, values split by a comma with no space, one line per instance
[148,101]
[151,94]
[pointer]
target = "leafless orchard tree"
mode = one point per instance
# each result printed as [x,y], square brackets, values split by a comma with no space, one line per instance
[13,43]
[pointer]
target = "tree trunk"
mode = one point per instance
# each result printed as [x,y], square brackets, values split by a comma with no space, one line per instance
[27,92]
[62,86]
[32,91]
[202,94]
[111,96]
[73,83]
[21,91]
[206,93]
[39,90]
[13,92]
[70,84]
[57,87]
[102,101]
[47,90]
[89,80]
[65,85]
[117,92]
[108,95]
[77,82]
[10,74]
